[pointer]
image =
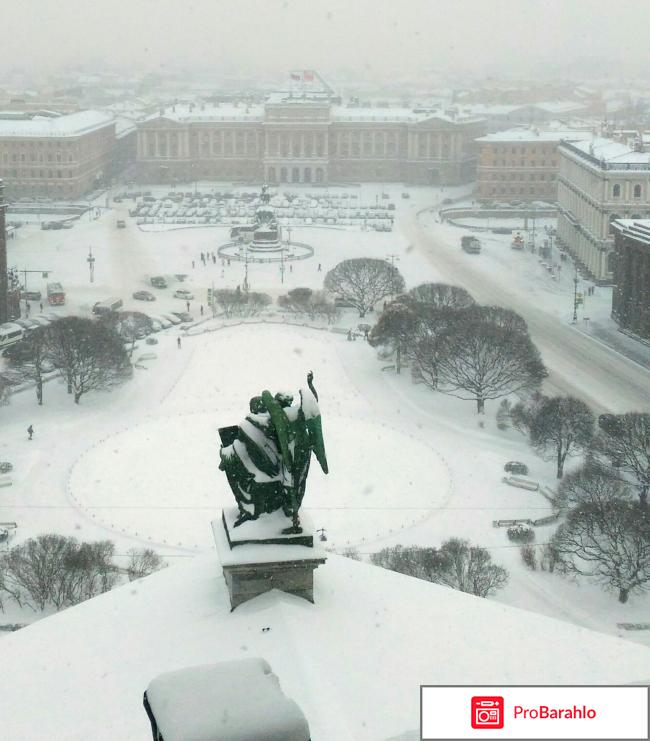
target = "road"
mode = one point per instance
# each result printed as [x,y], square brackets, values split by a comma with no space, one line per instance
[577,364]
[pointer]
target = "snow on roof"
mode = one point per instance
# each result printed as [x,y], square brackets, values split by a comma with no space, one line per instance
[72,124]
[611,152]
[638,229]
[397,115]
[525,134]
[197,113]
[365,646]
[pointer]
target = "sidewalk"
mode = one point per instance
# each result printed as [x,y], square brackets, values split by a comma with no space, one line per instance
[607,332]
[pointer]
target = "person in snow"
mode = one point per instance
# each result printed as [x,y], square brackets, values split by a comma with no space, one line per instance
[30,432]
[178,342]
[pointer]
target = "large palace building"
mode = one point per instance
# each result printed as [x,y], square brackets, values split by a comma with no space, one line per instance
[302,136]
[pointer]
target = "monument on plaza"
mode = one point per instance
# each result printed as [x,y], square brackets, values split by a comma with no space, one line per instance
[267,233]
[262,542]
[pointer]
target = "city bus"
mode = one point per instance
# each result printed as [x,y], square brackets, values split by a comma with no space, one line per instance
[55,294]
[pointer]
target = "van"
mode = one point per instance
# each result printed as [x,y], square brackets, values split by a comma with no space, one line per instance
[158,282]
[10,333]
[101,308]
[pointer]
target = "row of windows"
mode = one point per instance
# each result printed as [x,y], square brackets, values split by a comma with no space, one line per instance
[524,163]
[14,173]
[523,150]
[616,191]
[523,176]
[513,191]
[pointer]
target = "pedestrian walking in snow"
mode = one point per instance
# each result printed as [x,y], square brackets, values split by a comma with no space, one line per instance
[201,309]
[203,258]
[319,268]
[291,268]
[214,259]
[193,263]
[30,432]
[187,303]
[228,262]
[41,306]
[178,342]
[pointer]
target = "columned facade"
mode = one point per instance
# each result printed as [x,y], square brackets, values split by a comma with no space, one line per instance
[599,181]
[631,297]
[303,140]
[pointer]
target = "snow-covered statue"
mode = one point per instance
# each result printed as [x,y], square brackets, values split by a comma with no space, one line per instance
[266,457]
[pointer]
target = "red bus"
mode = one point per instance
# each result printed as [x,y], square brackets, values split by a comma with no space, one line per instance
[55,294]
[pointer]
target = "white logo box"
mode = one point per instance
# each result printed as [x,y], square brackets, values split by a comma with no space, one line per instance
[621,712]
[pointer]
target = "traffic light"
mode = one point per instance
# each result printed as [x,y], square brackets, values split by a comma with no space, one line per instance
[210,297]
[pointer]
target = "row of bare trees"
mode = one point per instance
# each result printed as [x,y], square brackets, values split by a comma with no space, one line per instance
[457,347]
[605,532]
[59,571]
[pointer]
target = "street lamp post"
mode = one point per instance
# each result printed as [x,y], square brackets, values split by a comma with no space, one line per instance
[575,296]
[391,258]
[91,264]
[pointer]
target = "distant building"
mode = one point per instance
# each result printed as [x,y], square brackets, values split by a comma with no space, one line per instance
[302,136]
[4,285]
[520,164]
[500,117]
[600,181]
[55,156]
[631,297]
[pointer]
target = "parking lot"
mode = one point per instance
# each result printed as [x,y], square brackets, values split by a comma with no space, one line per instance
[227,208]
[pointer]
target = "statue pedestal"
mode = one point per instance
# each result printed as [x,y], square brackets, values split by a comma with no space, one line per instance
[256,557]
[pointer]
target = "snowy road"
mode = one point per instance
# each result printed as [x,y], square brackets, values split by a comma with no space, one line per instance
[578,365]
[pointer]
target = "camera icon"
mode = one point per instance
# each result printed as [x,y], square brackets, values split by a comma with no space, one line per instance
[487,712]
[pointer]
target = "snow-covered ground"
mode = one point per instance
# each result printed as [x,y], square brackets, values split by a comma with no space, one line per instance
[139,465]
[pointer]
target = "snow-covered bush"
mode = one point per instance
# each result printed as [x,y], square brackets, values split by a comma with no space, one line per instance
[521,534]
[6,467]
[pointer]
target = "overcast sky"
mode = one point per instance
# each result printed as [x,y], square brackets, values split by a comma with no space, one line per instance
[378,39]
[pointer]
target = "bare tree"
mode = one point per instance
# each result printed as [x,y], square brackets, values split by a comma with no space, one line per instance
[455,564]
[609,542]
[91,355]
[395,330]
[480,361]
[559,427]
[307,302]
[593,485]
[131,326]
[230,301]
[442,296]
[142,563]
[364,281]
[623,443]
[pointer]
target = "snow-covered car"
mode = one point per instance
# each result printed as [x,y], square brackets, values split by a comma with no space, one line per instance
[184,294]
[516,467]
[172,318]
[184,316]
[144,296]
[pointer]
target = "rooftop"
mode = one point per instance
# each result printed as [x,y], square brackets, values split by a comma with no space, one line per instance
[608,154]
[638,229]
[365,646]
[72,124]
[527,134]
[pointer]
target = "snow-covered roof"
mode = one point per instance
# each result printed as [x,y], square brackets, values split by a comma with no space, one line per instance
[526,134]
[638,229]
[208,113]
[353,661]
[72,124]
[611,153]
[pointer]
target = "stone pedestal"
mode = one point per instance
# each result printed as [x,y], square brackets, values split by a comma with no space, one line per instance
[256,557]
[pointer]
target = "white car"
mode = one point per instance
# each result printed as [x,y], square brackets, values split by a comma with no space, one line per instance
[184,294]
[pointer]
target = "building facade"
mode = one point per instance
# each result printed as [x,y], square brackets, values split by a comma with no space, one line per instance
[599,181]
[57,156]
[4,283]
[306,139]
[520,165]
[631,296]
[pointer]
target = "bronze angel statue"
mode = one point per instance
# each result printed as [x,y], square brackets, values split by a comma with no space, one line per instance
[266,457]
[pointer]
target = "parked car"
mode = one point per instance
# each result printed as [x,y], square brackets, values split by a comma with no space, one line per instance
[406,195]
[184,294]
[121,224]
[184,316]
[516,467]
[144,296]
[171,318]
[158,282]
[110,305]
